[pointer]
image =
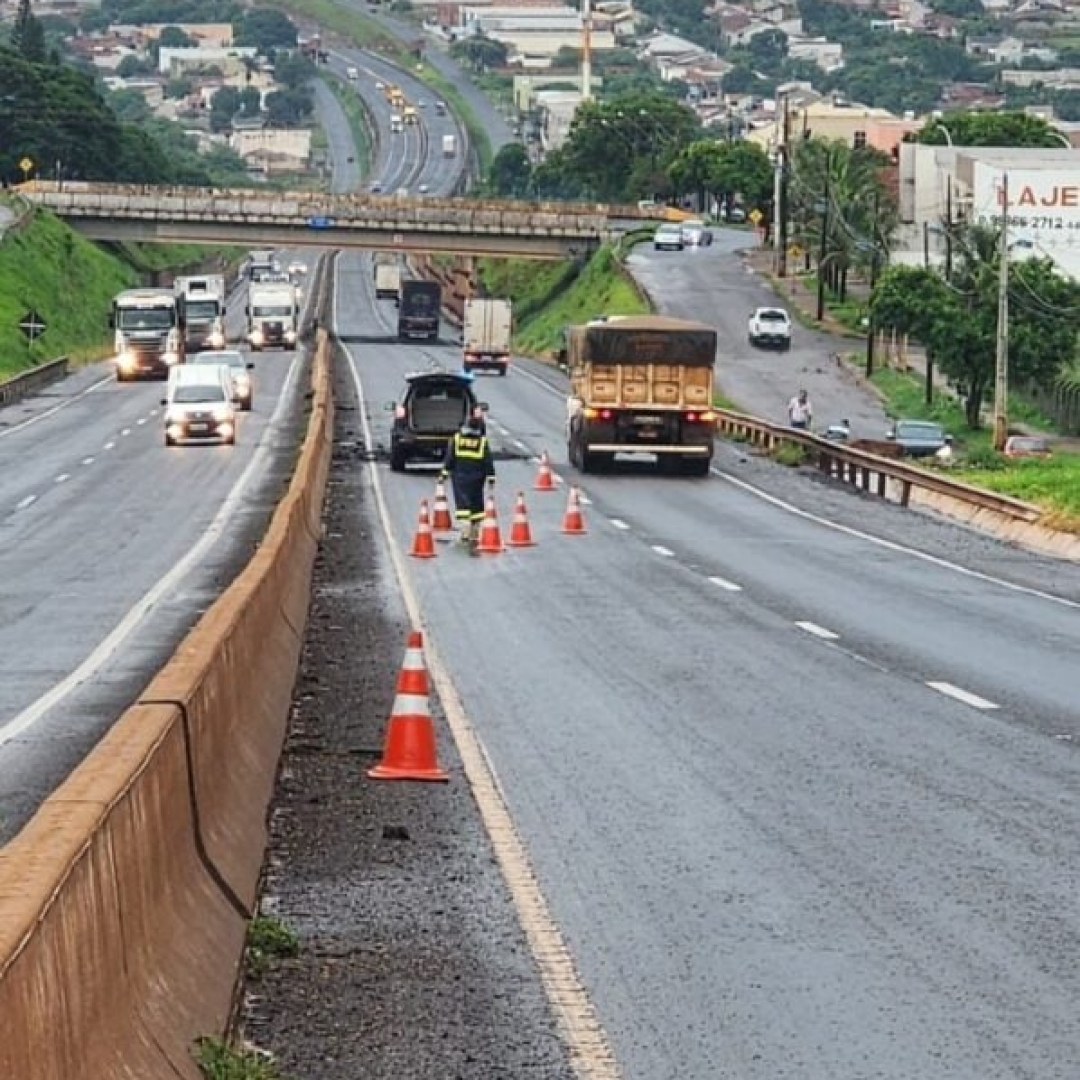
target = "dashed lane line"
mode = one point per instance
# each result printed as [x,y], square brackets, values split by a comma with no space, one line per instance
[88,461]
[110,445]
[961,695]
[723,583]
[126,431]
[62,477]
[817,631]
[56,408]
[619,523]
[24,503]
[661,550]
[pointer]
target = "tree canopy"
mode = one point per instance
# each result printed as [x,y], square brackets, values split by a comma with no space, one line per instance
[979,128]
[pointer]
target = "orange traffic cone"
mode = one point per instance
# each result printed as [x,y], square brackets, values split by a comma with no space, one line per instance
[520,533]
[409,751]
[574,521]
[490,537]
[545,479]
[423,545]
[440,516]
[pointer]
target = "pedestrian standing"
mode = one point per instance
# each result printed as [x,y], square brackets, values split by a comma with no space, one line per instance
[800,411]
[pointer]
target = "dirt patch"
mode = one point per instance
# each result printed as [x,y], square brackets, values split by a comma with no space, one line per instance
[412,963]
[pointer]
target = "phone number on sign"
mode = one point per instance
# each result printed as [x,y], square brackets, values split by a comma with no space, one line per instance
[1033,221]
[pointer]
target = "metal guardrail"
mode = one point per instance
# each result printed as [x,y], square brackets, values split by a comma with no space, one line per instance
[873,473]
[26,382]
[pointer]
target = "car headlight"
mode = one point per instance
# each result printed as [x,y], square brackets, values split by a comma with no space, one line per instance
[217,340]
[174,431]
[226,430]
[257,336]
[222,413]
[126,360]
[290,335]
[171,358]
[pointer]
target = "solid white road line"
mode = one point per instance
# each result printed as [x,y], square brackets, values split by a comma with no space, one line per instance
[666,552]
[964,696]
[178,575]
[817,631]
[723,583]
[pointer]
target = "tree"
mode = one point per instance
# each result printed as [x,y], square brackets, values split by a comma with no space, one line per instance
[480,52]
[293,69]
[567,58]
[265,29]
[956,321]
[224,105]
[132,65]
[723,170]
[290,107]
[510,174]
[172,37]
[989,129]
[28,36]
[768,49]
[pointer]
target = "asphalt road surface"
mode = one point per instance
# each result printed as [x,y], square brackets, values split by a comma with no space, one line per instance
[795,770]
[714,285]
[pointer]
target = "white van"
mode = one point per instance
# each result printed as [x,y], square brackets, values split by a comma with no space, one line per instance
[199,405]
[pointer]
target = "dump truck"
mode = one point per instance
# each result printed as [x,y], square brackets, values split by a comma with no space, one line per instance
[410,115]
[148,333]
[449,145]
[387,281]
[202,310]
[485,337]
[418,310]
[641,385]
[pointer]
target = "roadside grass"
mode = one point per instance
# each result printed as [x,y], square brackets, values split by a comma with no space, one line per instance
[269,939]
[850,313]
[358,122]
[217,1060]
[548,297]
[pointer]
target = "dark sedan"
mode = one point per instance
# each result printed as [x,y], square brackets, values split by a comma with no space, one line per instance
[919,438]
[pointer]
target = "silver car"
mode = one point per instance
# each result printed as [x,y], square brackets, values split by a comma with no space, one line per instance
[240,369]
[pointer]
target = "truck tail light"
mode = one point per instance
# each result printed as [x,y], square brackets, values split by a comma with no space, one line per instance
[598,414]
[706,417]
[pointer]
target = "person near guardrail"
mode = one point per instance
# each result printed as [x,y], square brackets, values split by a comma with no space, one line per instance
[800,412]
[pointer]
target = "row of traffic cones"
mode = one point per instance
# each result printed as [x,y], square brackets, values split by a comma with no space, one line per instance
[490,541]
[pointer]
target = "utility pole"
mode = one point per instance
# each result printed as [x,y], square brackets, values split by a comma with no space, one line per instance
[823,249]
[948,229]
[871,329]
[1001,356]
[780,193]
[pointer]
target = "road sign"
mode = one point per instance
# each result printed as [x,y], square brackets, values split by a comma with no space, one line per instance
[32,325]
[320,223]
[26,165]
[795,252]
[755,216]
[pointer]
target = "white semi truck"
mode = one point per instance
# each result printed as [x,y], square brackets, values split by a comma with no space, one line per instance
[273,315]
[387,281]
[202,309]
[148,337]
[486,331]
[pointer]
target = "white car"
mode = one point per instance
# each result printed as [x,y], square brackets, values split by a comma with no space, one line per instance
[198,405]
[298,267]
[669,237]
[770,326]
[696,233]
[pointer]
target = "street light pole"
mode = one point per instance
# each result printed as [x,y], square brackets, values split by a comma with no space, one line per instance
[1001,357]
[823,250]
[871,329]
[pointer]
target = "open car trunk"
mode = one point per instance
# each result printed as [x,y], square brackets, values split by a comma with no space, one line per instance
[438,410]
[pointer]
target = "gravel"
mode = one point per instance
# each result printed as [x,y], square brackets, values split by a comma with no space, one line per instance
[412,962]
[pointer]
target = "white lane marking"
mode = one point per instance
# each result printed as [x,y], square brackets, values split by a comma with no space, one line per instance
[56,408]
[619,524]
[964,696]
[24,503]
[153,412]
[178,574]
[126,431]
[88,461]
[817,631]
[109,445]
[892,545]
[666,552]
[583,498]
[584,1034]
[62,477]
[520,445]
[723,583]
[141,420]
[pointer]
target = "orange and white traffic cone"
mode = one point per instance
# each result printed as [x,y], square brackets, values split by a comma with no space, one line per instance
[441,520]
[423,546]
[545,478]
[490,537]
[574,520]
[409,750]
[520,533]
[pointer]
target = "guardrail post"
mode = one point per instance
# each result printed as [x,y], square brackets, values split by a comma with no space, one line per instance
[882,482]
[905,492]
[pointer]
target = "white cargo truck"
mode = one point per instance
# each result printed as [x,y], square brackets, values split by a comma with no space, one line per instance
[273,314]
[486,331]
[202,309]
[387,281]
[449,145]
[148,339]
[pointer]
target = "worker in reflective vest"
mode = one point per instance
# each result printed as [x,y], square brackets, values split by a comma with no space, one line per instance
[470,466]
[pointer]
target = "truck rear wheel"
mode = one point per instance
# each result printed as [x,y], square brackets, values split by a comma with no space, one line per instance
[695,466]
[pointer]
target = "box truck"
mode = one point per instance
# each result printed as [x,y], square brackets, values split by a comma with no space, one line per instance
[486,330]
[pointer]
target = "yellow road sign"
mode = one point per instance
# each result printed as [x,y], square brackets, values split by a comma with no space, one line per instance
[26,165]
[795,252]
[755,216]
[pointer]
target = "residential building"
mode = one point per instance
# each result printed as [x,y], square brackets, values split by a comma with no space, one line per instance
[827,55]
[205,35]
[175,63]
[273,150]
[1061,79]
[854,124]
[556,109]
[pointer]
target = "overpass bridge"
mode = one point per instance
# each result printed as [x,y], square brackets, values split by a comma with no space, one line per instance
[262,219]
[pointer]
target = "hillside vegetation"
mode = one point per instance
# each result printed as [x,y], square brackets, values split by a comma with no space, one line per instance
[549,296]
[68,281]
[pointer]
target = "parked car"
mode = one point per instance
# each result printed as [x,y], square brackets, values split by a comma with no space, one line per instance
[1027,446]
[919,438]
[695,233]
[769,326]
[434,406]
[668,237]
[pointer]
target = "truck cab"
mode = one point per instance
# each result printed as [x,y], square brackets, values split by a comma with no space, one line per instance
[273,315]
[148,334]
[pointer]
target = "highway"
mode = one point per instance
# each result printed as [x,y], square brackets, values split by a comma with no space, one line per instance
[795,770]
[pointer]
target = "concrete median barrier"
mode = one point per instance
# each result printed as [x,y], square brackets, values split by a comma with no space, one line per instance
[124,901]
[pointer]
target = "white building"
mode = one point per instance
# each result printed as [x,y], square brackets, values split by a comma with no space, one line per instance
[557,109]
[828,55]
[178,62]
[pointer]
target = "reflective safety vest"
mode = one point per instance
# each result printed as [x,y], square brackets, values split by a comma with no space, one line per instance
[469,447]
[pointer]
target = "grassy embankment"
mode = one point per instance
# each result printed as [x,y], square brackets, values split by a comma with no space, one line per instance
[365,32]
[548,296]
[358,122]
[70,282]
